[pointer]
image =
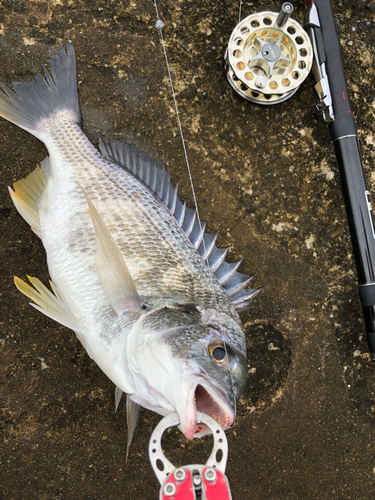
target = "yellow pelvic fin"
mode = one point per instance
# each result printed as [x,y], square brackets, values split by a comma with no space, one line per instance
[51,304]
[26,195]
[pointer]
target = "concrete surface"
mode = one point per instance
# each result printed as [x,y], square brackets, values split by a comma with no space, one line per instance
[266,177]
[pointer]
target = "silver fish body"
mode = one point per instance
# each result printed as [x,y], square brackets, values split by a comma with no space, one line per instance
[126,277]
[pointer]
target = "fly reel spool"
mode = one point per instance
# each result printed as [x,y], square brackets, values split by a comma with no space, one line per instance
[269,55]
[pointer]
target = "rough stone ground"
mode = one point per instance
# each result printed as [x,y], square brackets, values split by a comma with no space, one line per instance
[266,177]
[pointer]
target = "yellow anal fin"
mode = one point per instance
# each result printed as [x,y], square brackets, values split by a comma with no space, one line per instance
[26,195]
[52,304]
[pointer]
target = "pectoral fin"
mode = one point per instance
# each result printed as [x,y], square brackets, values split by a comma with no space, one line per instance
[51,304]
[112,270]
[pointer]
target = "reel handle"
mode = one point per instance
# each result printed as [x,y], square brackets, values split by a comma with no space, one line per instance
[284,14]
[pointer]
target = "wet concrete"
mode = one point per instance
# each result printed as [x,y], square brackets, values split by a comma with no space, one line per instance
[266,177]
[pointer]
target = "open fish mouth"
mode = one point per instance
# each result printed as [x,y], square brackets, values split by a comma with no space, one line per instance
[209,400]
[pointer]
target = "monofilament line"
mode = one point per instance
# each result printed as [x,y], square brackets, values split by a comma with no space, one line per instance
[160,23]
[159,26]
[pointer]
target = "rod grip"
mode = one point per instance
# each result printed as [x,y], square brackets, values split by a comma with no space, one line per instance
[358,207]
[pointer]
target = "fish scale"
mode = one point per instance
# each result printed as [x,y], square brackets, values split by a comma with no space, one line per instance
[140,215]
[133,272]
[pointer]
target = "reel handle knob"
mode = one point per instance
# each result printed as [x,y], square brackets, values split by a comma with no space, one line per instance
[284,14]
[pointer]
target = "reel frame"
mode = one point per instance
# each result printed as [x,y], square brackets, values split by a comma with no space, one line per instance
[268,56]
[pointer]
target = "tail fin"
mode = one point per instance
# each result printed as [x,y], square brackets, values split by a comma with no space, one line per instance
[32,102]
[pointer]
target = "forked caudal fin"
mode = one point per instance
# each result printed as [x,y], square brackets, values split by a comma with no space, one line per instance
[30,103]
[155,176]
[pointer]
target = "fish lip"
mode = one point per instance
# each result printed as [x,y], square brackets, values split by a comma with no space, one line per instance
[218,397]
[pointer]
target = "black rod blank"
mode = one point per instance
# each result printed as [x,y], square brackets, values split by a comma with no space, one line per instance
[344,136]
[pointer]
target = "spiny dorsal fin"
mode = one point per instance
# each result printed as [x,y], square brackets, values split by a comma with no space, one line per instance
[112,270]
[26,195]
[51,304]
[154,175]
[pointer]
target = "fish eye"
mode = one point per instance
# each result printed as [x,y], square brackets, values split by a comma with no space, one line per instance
[218,352]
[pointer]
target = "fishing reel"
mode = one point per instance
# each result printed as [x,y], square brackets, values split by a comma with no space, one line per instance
[269,55]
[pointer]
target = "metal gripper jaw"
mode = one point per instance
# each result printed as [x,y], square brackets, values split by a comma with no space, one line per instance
[190,482]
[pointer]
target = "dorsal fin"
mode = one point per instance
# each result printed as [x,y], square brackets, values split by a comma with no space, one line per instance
[155,176]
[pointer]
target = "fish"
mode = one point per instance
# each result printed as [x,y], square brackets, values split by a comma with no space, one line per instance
[133,272]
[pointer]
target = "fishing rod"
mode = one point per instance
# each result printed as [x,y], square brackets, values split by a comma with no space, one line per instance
[268,57]
[331,87]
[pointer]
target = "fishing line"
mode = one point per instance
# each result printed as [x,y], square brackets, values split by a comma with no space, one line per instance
[159,25]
